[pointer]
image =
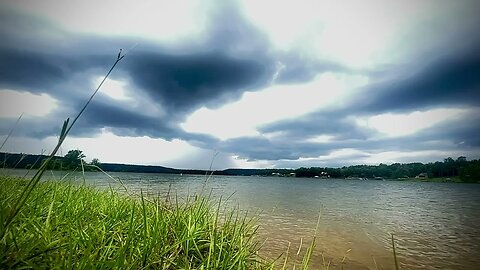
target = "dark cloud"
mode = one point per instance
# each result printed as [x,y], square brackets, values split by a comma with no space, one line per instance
[230,32]
[25,70]
[332,123]
[176,81]
[462,132]
[230,58]
[257,148]
[101,115]
[281,148]
[186,82]
[126,121]
[449,81]
[292,142]
[285,149]
[298,68]
[452,80]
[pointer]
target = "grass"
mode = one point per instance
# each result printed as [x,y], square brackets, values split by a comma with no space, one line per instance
[68,226]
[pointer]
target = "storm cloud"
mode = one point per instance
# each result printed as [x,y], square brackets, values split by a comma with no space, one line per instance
[183,82]
[230,59]
[451,80]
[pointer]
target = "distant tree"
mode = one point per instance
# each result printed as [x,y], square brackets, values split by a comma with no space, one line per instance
[471,172]
[73,158]
[95,162]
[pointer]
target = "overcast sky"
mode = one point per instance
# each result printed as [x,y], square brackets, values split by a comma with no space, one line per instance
[264,84]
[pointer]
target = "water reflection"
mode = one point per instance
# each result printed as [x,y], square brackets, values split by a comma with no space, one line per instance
[435,224]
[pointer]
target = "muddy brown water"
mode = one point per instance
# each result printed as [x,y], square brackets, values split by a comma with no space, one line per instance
[435,225]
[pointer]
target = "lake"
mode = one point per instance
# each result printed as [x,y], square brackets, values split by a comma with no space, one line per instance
[436,225]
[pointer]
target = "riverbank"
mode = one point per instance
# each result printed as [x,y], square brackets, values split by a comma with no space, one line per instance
[76,226]
[435,180]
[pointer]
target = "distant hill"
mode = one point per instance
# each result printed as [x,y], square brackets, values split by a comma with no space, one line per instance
[114,167]
[29,161]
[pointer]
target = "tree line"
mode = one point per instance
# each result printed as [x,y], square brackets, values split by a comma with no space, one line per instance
[466,170]
[73,160]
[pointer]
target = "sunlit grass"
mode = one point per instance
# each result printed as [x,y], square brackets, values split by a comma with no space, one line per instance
[68,226]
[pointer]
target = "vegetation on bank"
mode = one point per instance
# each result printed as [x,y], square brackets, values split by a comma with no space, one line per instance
[448,170]
[73,161]
[68,226]
[460,169]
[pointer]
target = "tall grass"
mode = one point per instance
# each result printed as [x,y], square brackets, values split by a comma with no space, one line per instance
[67,226]
[67,126]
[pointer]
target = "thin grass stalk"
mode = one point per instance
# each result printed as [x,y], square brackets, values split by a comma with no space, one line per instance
[111,177]
[310,249]
[375,263]
[286,257]
[34,164]
[11,131]
[18,162]
[300,246]
[395,254]
[208,176]
[83,171]
[36,178]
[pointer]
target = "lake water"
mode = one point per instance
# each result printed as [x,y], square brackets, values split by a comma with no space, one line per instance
[436,225]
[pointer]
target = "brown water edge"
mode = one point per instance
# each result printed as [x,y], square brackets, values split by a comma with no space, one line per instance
[335,248]
[435,224]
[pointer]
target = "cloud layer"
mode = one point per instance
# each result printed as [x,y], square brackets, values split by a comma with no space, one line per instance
[228,83]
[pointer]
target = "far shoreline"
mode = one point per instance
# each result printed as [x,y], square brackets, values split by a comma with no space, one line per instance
[458,170]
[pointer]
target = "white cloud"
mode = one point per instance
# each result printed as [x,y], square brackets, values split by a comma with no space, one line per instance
[134,150]
[161,20]
[129,96]
[357,33]
[110,148]
[272,104]
[396,125]
[112,88]
[390,157]
[349,32]
[350,156]
[14,103]
[321,139]
[347,156]
[238,162]
[274,135]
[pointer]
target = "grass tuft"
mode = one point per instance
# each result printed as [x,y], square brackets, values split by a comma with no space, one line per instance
[67,226]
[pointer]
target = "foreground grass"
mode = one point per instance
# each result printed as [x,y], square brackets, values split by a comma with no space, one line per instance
[67,226]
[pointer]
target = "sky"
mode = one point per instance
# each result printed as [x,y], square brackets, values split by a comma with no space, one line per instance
[245,84]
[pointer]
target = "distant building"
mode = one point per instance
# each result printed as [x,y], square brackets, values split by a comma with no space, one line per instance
[422,176]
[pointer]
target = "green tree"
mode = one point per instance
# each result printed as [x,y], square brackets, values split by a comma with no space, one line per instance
[471,172]
[95,162]
[73,158]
